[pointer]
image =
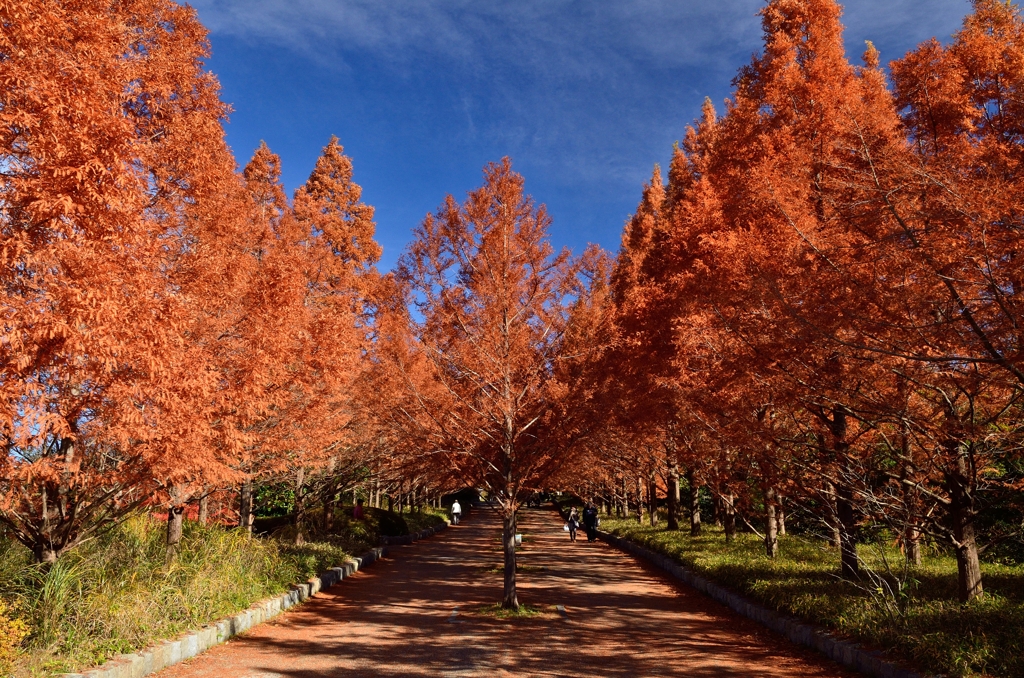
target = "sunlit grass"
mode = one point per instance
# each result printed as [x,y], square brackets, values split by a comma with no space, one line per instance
[115,594]
[922,623]
[523,612]
[500,568]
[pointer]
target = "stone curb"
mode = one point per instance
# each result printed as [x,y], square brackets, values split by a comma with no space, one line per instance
[167,653]
[844,652]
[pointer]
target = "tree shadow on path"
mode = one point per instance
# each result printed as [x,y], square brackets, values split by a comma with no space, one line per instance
[418,613]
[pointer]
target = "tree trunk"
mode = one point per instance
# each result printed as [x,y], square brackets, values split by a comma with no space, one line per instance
[771,532]
[245,512]
[300,506]
[845,499]
[911,530]
[832,514]
[175,516]
[44,553]
[911,499]
[640,501]
[962,513]
[781,515]
[850,567]
[672,498]
[47,546]
[174,523]
[391,503]
[652,498]
[509,600]
[330,495]
[625,499]
[913,545]
[729,516]
[204,508]
[330,505]
[691,478]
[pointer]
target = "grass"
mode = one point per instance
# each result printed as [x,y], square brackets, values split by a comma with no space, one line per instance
[115,595]
[500,568]
[923,623]
[524,612]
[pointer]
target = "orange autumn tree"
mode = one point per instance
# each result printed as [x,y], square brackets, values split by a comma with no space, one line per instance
[890,263]
[305,327]
[954,208]
[642,401]
[106,120]
[339,253]
[771,257]
[851,298]
[493,314]
[269,337]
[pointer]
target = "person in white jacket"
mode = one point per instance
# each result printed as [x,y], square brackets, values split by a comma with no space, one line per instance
[456,512]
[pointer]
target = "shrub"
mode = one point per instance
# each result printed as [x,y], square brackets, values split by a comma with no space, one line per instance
[115,594]
[928,626]
[12,631]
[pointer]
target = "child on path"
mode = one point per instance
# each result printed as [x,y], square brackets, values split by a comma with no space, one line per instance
[573,523]
[456,512]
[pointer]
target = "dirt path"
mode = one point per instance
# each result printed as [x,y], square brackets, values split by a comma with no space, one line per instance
[421,612]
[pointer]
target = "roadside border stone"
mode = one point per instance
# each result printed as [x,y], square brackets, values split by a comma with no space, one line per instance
[847,653]
[165,653]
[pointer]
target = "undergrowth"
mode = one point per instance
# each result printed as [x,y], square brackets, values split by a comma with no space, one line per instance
[355,536]
[115,594]
[927,626]
[522,612]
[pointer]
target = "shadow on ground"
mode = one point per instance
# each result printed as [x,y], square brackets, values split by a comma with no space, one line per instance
[418,613]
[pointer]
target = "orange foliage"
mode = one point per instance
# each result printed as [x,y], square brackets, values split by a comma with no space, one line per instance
[171,327]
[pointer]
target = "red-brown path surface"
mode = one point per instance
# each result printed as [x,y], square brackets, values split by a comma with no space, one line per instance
[422,612]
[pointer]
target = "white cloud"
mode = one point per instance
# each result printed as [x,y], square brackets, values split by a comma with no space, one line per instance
[577,86]
[528,32]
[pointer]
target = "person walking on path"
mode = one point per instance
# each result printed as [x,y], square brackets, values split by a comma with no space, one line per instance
[590,521]
[573,523]
[456,512]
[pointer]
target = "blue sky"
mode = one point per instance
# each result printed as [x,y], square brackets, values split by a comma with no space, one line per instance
[584,95]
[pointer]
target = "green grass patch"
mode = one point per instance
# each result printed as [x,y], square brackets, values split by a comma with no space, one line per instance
[500,568]
[921,622]
[524,612]
[115,595]
[424,518]
[354,536]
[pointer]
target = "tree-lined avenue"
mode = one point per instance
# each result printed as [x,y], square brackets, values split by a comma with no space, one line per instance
[421,612]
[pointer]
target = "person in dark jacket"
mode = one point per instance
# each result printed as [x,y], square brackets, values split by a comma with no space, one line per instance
[573,523]
[590,521]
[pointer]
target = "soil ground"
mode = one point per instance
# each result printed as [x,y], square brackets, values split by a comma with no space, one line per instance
[428,610]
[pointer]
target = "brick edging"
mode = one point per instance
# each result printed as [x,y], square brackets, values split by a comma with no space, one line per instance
[167,653]
[844,652]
